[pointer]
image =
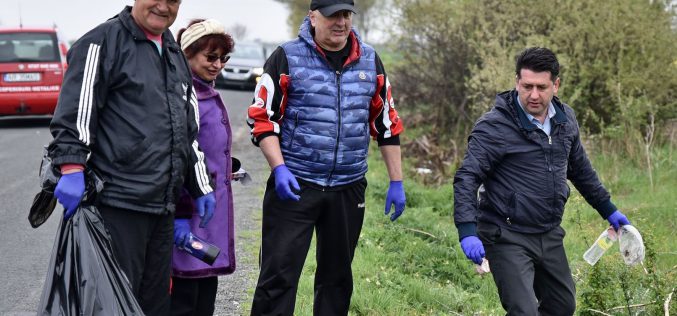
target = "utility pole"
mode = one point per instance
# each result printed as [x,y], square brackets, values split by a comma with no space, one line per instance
[21,23]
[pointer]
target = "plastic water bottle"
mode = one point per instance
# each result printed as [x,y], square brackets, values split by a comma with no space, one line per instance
[605,240]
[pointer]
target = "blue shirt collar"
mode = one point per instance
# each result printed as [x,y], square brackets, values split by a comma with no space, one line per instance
[532,119]
[546,127]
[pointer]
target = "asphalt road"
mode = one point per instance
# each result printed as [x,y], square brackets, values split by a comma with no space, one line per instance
[25,252]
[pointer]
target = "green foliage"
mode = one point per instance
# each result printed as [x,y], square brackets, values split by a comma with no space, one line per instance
[627,290]
[435,62]
[415,266]
[612,287]
[618,60]
[630,59]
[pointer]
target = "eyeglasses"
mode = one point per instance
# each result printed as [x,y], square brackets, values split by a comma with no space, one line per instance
[213,57]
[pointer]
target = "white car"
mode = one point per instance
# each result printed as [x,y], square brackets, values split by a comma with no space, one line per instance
[244,68]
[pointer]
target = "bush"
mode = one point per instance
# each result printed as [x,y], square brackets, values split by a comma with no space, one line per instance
[455,55]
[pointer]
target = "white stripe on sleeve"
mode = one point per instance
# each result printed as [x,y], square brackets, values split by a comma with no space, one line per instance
[87,93]
[196,108]
[386,110]
[266,82]
[201,170]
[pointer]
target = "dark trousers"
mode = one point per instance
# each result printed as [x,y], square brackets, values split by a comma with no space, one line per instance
[142,245]
[531,271]
[194,297]
[336,215]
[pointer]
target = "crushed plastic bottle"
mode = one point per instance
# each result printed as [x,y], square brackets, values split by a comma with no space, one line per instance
[631,245]
[605,240]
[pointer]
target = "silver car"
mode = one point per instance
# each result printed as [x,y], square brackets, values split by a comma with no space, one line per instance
[244,68]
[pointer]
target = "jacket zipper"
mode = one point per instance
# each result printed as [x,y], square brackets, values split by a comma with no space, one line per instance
[338,128]
[550,173]
[548,164]
[554,191]
[513,206]
[166,62]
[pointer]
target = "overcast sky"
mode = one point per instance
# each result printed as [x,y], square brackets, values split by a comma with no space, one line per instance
[264,19]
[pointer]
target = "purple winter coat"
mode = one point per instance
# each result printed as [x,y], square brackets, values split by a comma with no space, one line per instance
[214,138]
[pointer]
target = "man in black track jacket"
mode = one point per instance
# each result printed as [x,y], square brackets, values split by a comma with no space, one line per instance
[128,111]
[522,152]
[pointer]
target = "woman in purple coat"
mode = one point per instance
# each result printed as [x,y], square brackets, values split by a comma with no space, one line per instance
[194,283]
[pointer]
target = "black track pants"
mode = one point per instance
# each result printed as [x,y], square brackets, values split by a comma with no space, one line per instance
[142,245]
[336,215]
[194,297]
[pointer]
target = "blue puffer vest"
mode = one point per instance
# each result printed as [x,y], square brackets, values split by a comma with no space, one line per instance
[325,129]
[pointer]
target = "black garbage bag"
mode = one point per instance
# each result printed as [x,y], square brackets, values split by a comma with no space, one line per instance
[45,202]
[83,277]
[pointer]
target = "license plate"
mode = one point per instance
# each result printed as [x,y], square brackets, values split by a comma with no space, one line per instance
[232,76]
[22,77]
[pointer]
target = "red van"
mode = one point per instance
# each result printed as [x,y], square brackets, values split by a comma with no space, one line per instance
[32,66]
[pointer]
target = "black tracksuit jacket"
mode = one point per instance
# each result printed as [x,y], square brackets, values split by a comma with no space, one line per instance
[130,113]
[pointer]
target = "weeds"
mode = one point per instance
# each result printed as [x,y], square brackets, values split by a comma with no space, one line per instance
[414,266]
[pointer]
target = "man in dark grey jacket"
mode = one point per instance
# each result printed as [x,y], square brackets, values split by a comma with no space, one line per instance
[522,152]
[128,111]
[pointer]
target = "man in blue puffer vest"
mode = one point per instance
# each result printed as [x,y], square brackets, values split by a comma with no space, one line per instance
[320,99]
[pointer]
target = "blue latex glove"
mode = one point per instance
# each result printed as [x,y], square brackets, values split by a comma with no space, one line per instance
[181,232]
[205,208]
[473,248]
[395,196]
[284,183]
[617,219]
[69,191]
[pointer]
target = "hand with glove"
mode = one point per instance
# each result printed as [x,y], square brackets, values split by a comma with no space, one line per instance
[69,191]
[181,232]
[617,219]
[205,208]
[473,248]
[284,183]
[395,196]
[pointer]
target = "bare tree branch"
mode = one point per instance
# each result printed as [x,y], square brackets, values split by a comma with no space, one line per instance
[599,312]
[421,232]
[630,306]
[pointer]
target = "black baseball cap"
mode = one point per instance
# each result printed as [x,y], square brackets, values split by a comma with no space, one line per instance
[329,7]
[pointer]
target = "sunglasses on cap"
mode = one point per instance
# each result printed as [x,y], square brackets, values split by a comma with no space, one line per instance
[213,57]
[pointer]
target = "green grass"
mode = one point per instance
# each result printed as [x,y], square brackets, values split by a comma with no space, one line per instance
[252,248]
[414,266]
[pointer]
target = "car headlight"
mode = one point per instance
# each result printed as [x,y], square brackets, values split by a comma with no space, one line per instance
[258,71]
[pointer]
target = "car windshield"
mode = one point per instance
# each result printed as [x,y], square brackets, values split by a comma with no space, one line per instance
[247,51]
[28,47]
